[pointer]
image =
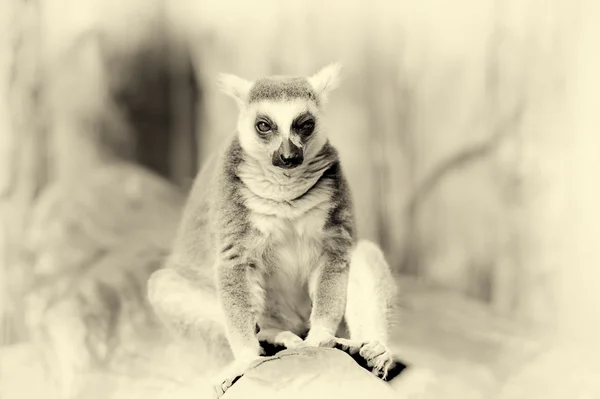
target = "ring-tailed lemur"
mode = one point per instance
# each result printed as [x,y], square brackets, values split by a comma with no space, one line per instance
[267,247]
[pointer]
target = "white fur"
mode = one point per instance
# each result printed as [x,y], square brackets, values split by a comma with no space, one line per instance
[296,245]
[283,114]
[274,188]
[235,87]
[371,293]
[326,80]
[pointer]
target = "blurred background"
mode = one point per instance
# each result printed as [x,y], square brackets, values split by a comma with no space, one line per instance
[468,131]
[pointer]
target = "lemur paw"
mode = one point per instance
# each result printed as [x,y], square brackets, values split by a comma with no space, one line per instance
[273,341]
[289,339]
[348,346]
[373,356]
[286,339]
[233,372]
[318,337]
[378,357]
[324,341]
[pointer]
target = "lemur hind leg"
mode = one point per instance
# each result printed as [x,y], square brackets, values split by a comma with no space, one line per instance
[190,311]
[370,299]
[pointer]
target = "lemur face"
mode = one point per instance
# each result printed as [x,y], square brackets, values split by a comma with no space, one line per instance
[282,132]
[279,120]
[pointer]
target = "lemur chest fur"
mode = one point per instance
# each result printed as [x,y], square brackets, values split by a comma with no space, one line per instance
[293,249]
[290,247]
[291,232]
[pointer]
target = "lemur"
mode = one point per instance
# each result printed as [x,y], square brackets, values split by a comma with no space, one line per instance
[267,249]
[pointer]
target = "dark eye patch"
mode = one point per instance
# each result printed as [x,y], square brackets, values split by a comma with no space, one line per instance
[304,124]
[264,125]
[303,118]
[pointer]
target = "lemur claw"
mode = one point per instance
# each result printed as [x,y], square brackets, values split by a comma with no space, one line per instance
[348,346]
[380,360]
[373,355]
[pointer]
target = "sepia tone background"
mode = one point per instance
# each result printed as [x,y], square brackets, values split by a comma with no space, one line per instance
[469,134]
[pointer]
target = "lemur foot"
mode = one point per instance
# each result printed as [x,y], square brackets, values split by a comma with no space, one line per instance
[234,371]
[378,357]
[375,356]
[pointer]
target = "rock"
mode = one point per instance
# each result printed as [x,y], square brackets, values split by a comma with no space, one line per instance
[309,373]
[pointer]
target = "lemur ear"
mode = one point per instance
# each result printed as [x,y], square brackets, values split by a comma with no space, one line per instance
[234,87]
[327,79]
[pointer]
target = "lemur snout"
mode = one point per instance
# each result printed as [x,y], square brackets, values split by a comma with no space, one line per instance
[288,155]
[289,162]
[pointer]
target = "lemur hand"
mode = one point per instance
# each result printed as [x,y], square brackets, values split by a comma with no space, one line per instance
[317,338]
[324,339]
[377,356]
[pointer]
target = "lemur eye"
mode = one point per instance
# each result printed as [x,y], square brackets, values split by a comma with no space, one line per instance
[308,126]
[263,127]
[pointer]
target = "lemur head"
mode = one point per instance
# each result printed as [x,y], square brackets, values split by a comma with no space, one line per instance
[279,120]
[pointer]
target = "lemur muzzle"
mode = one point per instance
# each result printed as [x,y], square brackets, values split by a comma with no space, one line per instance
[288,155]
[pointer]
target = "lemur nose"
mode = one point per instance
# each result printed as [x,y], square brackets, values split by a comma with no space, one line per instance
[287,160]
[289,157]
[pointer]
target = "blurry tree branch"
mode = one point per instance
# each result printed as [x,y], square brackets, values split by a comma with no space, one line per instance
[463,158]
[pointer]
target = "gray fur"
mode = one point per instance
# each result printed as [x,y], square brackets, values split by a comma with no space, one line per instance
[281,89]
